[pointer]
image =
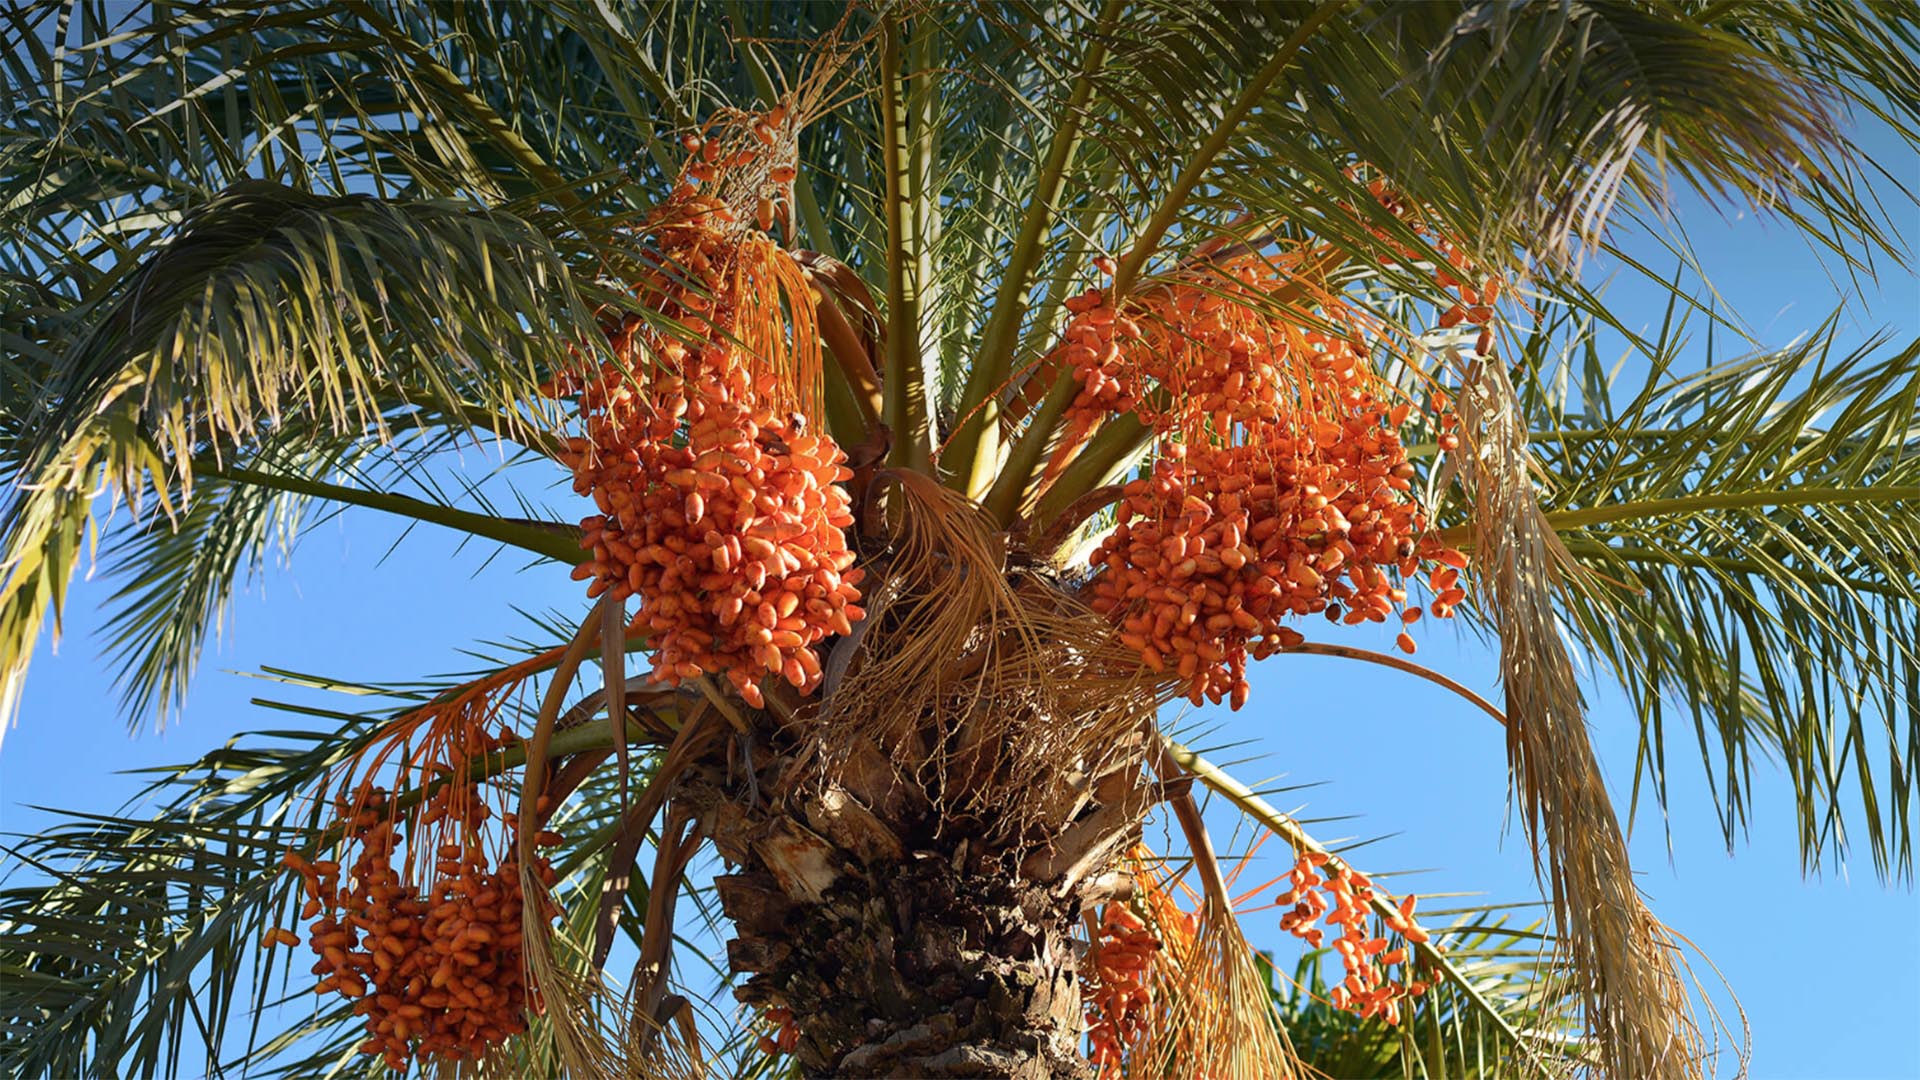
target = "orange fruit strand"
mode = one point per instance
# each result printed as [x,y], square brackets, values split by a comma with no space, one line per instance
[1281,490]
[436,972]
[717,505]
[1364,988]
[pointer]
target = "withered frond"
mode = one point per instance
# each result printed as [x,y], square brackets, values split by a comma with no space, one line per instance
[987,684]
[1211,1014]
[1638,1009]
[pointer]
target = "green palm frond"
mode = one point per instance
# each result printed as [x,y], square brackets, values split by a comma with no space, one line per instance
[274,307]
[270,302]
[170,107]
[1749,533]
[127,939]
[177,582]
[1521,124]
[175,576]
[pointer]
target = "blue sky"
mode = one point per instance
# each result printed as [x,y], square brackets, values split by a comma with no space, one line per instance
[1826,968]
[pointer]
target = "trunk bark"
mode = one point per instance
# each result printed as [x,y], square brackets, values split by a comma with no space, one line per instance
[900,949]
[918,970]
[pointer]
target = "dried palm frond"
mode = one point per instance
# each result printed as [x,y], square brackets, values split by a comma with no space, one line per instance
[993,688]
[1752,535]
[1212,1015]
[588,1038]
[1637,1008]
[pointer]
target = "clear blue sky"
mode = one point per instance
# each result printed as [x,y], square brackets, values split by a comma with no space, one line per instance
[1827,969]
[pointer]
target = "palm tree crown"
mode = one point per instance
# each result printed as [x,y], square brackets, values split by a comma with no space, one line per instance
[954,385]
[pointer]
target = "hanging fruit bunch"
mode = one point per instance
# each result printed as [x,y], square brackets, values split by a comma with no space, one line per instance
[1281,487]
[1157,967]
[1321,890]
[719,505]
[435,969]
[1116,986]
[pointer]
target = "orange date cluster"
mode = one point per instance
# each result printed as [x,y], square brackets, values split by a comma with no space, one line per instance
[1118,987]
[436,972]
[1281,488]
[1343,897]
[717,506]
[1219,545]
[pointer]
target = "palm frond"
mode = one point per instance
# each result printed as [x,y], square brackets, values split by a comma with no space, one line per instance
[176,576]
[976,438]
[489,104]
[177,583]
[1748,533]
[118,128]
[273,306]
[1634,1001]
[1520,125]
[908,204]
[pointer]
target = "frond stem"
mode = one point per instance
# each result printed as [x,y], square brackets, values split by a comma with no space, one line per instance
[1175,776]
[1069,522]
[1105,456]
[1009,493]
[539,745]
[975,448]
[849,355]
[536,538]
[1693,504]
[1641,554]
[1347,652]
[906,377]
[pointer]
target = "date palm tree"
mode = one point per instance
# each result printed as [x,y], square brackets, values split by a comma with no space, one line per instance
[958,276]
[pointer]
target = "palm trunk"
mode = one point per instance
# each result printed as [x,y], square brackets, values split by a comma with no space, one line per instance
[901,945]
[919,970]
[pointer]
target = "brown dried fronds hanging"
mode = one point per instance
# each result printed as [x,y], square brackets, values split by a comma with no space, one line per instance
[586,1030]
[995,686]
[595,1032]
[1174,989]
[664,1045]
[1637,1007]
